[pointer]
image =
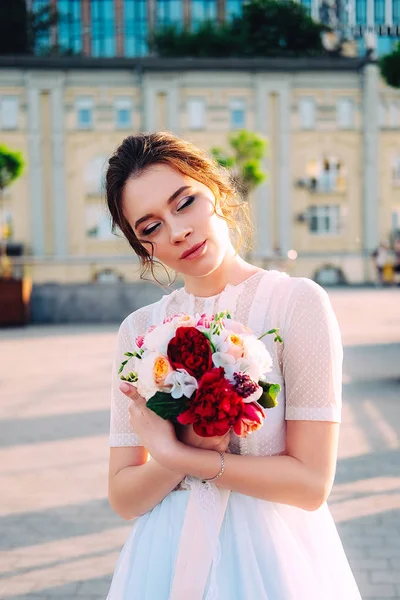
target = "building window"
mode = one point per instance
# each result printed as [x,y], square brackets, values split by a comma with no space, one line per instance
[169,12]
[135,28]
[396,171]
[97,221]
[103,27]
[307,5]
[123,113]
[94,175]
[238,114]
[345,113]
[9,112]
[307,113]
[196,113]
[396,11]
[233,8]
[69,26]
[379,11]
[84,112]
[324,220]
[41,10]
[393,115]
[361,12]
[382,115]
[385,45]
[324,176]
[203,10]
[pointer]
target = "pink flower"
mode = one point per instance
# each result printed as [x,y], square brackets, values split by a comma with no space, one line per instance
[205,321]
[235,346]
[170,319]
[251,419]
[139,341]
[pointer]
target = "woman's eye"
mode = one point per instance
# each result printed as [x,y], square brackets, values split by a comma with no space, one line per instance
[150,229]
[186,202]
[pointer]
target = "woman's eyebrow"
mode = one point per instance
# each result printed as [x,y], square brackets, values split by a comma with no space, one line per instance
[170,199]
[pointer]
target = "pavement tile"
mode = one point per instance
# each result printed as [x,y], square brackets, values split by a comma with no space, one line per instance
[60,539]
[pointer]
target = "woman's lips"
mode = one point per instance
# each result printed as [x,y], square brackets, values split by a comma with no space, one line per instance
[194,251]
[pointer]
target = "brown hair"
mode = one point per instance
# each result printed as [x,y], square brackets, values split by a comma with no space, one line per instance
[138,153]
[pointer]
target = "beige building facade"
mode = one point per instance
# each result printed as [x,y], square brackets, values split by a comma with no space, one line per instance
[333,187]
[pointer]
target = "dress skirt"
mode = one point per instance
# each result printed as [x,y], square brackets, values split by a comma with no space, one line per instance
[266,551]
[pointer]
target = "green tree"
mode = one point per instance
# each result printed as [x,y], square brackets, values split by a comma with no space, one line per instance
[244,161]
[390,67]
[11,167]
[265,28]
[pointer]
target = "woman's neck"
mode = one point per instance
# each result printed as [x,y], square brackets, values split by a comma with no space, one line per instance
[233,270]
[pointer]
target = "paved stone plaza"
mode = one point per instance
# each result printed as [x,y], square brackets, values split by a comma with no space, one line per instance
[59,538]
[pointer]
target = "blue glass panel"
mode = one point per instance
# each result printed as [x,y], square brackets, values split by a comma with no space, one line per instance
[307,5]
[42,40]
[169,12]
[85,117]
[379,12]
[124,117]
[203,10]
[361,12]
[135,27]
[385,45]
[237,118]
[396,12]
[233,8]
[70,25]
[103,28]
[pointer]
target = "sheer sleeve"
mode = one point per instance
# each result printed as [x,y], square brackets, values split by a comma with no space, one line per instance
[312,355]
[121,433]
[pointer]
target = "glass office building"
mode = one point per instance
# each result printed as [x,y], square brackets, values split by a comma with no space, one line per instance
[106,28]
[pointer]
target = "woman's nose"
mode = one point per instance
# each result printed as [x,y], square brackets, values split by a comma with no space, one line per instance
[180,235]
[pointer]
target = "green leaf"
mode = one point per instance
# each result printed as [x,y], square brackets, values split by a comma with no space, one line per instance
[167,407]
[129,354]
[121,368]
[270,394]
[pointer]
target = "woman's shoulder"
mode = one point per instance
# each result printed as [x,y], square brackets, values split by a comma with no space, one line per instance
[139,321]
[290,285]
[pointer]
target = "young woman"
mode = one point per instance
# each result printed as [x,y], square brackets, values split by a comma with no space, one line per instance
[261,529]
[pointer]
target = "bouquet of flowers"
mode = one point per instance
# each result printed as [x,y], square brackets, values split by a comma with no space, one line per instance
[208,371]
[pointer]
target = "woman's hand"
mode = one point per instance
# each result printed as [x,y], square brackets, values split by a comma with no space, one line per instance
[186,435]
[156,434]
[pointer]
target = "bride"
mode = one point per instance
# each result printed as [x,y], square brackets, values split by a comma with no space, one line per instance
[222,518]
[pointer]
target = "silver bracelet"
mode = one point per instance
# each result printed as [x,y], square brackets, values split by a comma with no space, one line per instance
[222,469]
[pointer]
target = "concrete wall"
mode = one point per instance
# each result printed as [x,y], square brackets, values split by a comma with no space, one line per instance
[90,303]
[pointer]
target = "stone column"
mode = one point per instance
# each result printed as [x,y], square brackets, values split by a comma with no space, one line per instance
[284,209]
[173,106]
[262,214]
[371,160]
[59,197]
[35,171]
[149,105]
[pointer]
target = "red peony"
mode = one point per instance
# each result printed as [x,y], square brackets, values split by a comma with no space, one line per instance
[190,350]
[251,419]
[216,406]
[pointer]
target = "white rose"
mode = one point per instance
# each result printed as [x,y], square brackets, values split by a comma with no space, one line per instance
[258,355]
[146,384]
[159,338]
[182,384]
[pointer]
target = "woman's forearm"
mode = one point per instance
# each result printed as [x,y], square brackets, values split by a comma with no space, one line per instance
[135,490]
[282,479]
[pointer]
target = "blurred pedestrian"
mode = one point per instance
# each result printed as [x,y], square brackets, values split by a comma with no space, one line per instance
[381,258]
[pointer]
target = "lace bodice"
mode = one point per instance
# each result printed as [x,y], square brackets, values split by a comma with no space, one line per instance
[308,365]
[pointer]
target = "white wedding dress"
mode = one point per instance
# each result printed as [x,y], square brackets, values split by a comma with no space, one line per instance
[266,550]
